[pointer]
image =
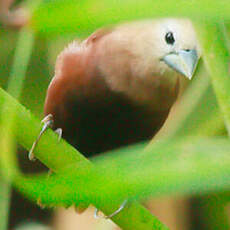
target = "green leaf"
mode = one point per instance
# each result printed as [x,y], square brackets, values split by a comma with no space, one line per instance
[171,167]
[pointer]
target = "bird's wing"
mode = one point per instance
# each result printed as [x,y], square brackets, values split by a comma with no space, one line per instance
[75,70]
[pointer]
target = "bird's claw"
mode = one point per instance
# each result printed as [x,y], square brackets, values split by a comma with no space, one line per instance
[59,133]
[112,214]
[48,122]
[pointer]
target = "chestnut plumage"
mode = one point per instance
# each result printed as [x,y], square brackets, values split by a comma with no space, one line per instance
[117,87]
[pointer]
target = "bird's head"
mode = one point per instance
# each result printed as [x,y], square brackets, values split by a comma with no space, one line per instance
[175,46]
[162,45]
[144,59]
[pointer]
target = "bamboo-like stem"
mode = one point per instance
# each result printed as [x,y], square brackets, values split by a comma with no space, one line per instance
[8,163]
[216,58]
[216,47]
[59,156]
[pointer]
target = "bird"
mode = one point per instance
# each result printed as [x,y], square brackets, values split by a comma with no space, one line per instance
[117,87]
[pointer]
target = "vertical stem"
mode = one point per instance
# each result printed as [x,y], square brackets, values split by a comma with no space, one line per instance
[15,84]
[8,163]
[216,58]
[216,47]
[20,63]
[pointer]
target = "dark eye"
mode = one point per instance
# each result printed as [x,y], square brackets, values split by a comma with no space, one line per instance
[169,38]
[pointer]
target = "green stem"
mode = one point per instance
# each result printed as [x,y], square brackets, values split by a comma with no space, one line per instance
[216,58]
[61,156]
[216,48]
[20,63]
[8,163]
[8,113]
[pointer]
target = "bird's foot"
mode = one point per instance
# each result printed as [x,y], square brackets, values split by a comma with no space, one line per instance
[48,122]
[112,214]
[59,133]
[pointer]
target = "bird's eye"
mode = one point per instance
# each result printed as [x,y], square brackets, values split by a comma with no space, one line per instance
[169,38]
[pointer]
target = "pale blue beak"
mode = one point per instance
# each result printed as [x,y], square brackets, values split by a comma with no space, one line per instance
[183,61]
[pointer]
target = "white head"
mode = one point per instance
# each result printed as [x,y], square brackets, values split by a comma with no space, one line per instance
[144,59]
[168,44]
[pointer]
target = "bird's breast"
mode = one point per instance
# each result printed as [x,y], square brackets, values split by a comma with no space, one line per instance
[108,120]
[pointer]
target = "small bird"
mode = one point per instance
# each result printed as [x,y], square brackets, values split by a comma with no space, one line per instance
[117,87]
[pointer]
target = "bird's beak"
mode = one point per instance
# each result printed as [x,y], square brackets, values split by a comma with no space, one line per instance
[184,62]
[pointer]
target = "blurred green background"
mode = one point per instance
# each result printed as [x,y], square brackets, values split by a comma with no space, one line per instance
[197,205]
